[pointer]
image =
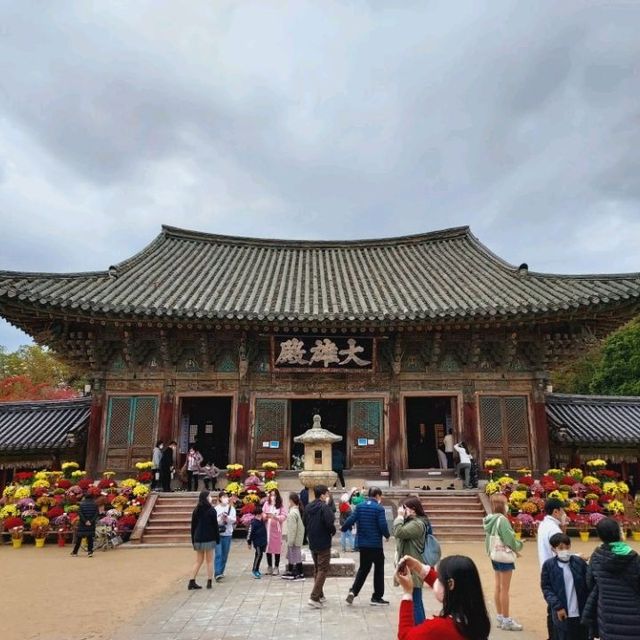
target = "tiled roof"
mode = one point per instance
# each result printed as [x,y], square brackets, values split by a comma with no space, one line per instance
[42,425]
[431,277]
[607,420]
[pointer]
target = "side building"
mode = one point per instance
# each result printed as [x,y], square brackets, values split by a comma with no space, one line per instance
[234,343]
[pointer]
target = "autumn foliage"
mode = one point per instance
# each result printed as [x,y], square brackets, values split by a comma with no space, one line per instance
[21,387]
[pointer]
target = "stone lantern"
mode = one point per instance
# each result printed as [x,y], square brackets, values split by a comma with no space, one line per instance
[317,455]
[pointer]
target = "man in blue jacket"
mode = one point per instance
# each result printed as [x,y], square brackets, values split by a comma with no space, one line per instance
[370,519]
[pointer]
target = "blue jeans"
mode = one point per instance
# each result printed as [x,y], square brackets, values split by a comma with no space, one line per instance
[346,537]
[418,607]
[222,553]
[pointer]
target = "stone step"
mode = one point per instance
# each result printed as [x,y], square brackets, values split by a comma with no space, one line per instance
[159,518]
[159,538]
[167,527]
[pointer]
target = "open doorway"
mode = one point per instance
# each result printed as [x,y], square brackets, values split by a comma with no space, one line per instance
[208,420]
[334,414]
[427,420]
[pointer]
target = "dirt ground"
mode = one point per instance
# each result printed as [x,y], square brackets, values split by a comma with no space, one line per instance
[47,594]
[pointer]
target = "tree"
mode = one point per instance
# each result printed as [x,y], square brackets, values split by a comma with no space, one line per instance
[34,373]
[612,368]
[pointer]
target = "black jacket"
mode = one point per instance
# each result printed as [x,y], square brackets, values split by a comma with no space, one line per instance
[166,461]
[257,533]
[319,524]
[613,606]
[552,583]
[204,525]
[88,513]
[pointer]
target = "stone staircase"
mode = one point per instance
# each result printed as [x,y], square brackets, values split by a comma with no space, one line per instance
[456,516]
[170,519]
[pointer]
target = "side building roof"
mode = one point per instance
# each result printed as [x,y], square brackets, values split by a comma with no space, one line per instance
[595,420]
[42,425]
[434,277]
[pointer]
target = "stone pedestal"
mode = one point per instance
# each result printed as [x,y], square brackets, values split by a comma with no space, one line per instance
[317,455]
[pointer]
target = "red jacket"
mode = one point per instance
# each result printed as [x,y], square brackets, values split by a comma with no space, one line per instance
[432,629]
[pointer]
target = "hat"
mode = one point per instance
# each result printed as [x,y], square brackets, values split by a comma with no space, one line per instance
[344,497]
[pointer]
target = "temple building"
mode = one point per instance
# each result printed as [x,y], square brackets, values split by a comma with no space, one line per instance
[235,343]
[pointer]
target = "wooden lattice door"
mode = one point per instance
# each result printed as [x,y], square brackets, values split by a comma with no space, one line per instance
[271,428]
[504,425]
[365,434]
[132,424]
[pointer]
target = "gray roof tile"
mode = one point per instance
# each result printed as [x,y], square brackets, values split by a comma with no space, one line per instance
[435,276]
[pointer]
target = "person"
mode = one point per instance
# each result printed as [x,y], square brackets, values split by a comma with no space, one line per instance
[87,518]
[456,585]
[209,474]
[275,515]
[304,501]
[257,535]
[447,441]
[550,525]
[295,536]
[410,530]
[464,466]
[156,457]
[226,514]
[194,460]
[355,499]
[319,523]
[204,537]
[613,579]
[346,537]
[337,464]
[167,462]
[497,524]
[442,457]
[564,586]
[370,519]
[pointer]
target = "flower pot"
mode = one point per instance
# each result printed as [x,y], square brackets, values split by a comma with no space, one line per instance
[636,535]
[40,543]
[44,508]
[16,542]
[61,540]
[584,536]
[518,535]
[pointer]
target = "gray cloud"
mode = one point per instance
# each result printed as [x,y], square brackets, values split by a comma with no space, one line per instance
[317,120]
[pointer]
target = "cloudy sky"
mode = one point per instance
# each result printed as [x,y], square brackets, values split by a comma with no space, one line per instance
[319,120]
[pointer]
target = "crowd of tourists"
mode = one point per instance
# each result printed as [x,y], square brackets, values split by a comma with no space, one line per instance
[595,599]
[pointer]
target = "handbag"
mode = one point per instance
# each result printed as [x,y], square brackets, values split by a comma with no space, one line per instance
[498,550]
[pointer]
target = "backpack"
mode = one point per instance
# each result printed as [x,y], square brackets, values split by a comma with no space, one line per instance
[431,552]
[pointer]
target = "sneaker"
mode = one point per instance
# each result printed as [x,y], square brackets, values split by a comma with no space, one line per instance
[300,576]
[287,576]
[219,578]
[350,597]
[508,624]
[257,575]
[276,572]
[322,599]
[376,602]
[74,555]
[269,571]
[316,604]
[90,554]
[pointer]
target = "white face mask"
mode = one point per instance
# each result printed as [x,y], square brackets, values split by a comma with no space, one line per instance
[438,591]
[564,555]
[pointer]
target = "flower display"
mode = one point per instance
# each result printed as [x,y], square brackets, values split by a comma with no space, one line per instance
[234,488]
[144,466]
[598,463]
[493,463]
[492,487]
[270,466]
[129,483]
[590,480]
[576,474]
[234,471]
[556,474]
[141,491]
[21,492]
[529,507]
[610,487]
[24,477]
[615,507]
[623,488]
[270,486]
[517,498]
[40,526]
[77,474]
[12,521]
[524,471]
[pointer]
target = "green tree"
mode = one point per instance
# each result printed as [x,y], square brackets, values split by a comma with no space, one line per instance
[611,368]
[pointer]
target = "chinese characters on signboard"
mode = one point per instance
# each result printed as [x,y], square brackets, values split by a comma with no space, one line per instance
[323,353]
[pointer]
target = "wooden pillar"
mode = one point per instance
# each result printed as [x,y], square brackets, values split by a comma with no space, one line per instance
[94,434]
[468,428]
[541,435]
[243,453]
[165,419]
[395,442]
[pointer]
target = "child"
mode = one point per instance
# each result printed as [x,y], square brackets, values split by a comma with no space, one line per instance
[295,537]
[345,512]
[564,586]
[258,536]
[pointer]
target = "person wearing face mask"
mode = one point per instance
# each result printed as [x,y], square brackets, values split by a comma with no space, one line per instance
[564,586]
[275,514]
[226,521]
[553,519]
[456,585]
[410,529]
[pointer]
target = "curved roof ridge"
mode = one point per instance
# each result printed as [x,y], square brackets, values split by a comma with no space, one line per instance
[430,236]
[591,398]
